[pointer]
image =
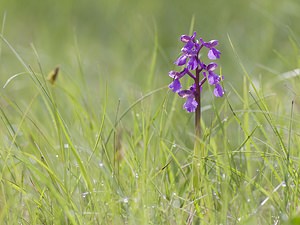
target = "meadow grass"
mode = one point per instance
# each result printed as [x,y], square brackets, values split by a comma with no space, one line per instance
[112,151]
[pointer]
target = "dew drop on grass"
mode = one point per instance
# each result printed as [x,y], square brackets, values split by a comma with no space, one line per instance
[136,175]
[276,219]
[66,146]
[223,176]
[101,164]
[56,156]
[84,194]
[125,200]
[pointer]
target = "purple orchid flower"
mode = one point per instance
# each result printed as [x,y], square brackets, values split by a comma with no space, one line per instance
[193,65]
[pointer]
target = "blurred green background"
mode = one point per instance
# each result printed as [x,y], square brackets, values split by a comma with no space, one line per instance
[116,40]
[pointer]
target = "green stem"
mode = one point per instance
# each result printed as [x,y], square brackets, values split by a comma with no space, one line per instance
[200,188]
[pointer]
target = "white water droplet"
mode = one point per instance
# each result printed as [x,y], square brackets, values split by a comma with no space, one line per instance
[84,194]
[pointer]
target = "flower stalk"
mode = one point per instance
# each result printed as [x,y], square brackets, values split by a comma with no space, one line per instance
[199,71]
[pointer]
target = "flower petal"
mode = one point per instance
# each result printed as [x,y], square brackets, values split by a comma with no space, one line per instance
[213,54]
[175,86]
[193,63]
[190,105]
[218,91]
[185,93]
[212,43]
[188,47]
[173,74]
[181,60]
[186,38]
[209,44]
[212,66]
[213,78]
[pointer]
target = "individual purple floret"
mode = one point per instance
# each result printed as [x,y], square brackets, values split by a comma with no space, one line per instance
[193,66]
[191,104]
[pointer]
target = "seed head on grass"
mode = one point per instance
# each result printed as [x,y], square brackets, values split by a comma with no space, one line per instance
[193,65]
[52,76]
